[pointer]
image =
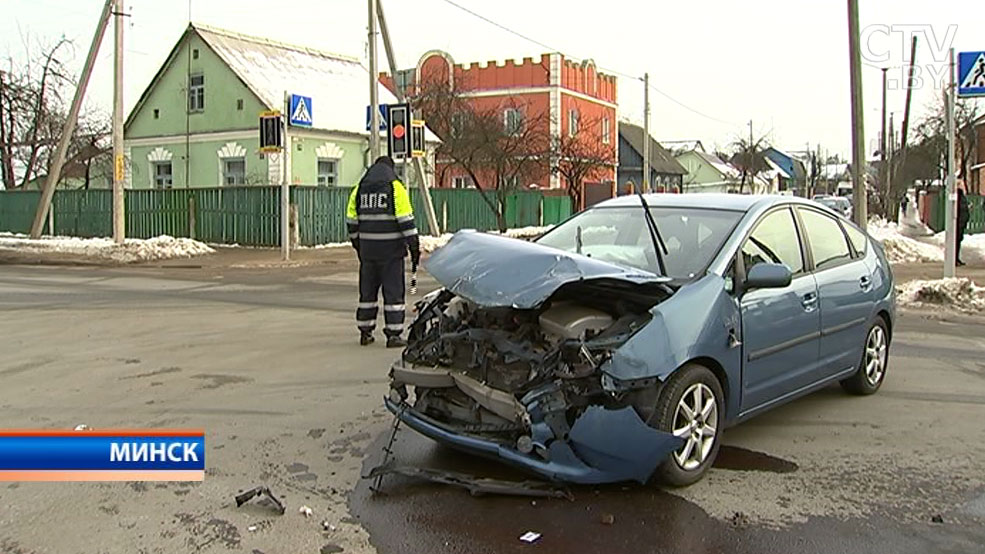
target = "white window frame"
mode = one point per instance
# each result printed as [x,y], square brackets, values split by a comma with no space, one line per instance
[513,121]
[573,122]
[606,130]
[158,184]
[462,182]
[226,174]
[196,94]
[334,175]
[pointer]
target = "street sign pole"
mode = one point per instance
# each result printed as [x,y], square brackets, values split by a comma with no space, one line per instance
[950,213]
[285,190]
[374,100]
[119,168]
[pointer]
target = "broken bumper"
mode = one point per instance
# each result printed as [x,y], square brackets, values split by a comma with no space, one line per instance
[604,446]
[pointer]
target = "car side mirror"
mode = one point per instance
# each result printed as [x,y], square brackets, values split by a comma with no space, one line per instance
[768,276]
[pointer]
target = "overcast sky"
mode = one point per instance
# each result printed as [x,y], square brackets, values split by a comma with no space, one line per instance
[781,63]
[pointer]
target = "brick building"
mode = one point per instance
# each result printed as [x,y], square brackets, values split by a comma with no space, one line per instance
[566,97]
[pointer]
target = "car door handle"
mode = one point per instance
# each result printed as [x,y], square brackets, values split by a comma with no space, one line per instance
[809,301]
[865,282]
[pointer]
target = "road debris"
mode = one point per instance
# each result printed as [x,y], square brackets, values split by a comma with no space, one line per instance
[306,511]
[476,486]
[937,519]
[328,526]
[530,537]
[251,528]
[608,519]
[260,491]
[82,427]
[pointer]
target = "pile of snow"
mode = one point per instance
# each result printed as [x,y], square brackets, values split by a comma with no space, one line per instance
[163,247]
[959,293]
[526,232]
[430,244]
[972,247]
[900,248]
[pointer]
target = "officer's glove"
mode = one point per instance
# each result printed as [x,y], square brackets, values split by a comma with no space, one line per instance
[415,257]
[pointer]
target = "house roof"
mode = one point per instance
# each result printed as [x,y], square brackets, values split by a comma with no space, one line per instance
[661,160]
[727,170]
[336,84]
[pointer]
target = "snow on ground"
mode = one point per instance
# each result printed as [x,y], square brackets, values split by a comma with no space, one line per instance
[430,244]
[163,247]
[900,248]
[959,293]
[972,247]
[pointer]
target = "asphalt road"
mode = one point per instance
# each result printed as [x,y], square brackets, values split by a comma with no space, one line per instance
[265,360]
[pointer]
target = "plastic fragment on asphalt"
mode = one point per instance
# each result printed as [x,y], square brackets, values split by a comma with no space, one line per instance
[306,511]
[328,526]
[82,427]
[530,537]
[251,528]
[608,519]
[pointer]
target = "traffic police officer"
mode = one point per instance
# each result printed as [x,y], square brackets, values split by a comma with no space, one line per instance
[382,230]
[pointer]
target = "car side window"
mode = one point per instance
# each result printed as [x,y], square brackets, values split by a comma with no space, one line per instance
[774,241]
[828,243]
[858,238]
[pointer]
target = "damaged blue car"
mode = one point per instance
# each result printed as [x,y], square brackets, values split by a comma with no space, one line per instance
[619,345]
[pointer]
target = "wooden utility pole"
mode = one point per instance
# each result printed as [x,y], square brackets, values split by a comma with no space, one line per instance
[646,133]
[119,168]
[401,97]
[884,169]
[901,164]
[55,170]
[374,99]
[860,201]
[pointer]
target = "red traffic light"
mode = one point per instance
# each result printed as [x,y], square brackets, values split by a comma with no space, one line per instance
[399,131]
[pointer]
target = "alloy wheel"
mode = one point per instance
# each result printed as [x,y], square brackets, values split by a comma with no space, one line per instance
[876,351]
[695,421]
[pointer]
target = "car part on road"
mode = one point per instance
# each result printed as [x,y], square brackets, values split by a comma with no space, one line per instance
[530,537]
[875,358]
[260,491]
[476,486]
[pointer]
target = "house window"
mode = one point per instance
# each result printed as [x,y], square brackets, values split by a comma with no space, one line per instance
[462,182]
[157,113]
[196,93]
[328,172]
[513,121]
[457,125]
[606,131]
[162,175]
[239,104]
[234,171]
[195,53]
[572,123]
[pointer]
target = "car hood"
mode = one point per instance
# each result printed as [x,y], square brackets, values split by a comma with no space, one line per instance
[496,271]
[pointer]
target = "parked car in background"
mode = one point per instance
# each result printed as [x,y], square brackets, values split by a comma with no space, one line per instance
[621,343]
[839,204]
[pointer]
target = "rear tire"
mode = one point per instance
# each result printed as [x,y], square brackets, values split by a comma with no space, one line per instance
[875,360]
[691,406]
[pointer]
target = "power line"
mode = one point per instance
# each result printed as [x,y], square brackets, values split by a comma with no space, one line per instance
[605,69]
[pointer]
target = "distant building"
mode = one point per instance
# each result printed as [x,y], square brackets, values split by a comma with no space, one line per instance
[791,174]
[666,175]
[197,123]
[573,97]
[707,172]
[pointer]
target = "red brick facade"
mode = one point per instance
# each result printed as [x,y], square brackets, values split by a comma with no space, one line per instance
[551,85]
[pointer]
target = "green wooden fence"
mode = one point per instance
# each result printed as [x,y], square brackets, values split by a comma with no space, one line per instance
[976,223]
[250,215]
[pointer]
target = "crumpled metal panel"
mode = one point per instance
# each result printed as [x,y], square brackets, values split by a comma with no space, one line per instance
[618,443]
[496,271]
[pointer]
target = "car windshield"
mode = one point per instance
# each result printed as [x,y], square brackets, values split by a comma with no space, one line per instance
[834,203]
[619,235]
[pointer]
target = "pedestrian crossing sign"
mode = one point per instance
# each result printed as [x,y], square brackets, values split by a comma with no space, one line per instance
[300,111]
[971,74]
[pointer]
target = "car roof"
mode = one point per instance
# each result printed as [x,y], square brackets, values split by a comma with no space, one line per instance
[734,202]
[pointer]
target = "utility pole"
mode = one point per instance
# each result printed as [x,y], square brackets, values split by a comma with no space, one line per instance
[901,164]
[119,174]
[884,171]
[374,99]
[285,185]
[646,132]
[401,97]
[858,130]
[950,213]
[750,160]
[55,170]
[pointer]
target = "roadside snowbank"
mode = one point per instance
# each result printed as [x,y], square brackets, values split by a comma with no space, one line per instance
[959,293]
[163,247]
[430,244]
[900,248]
[972,247]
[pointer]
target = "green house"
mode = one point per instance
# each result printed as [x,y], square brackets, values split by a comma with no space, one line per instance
[197,123]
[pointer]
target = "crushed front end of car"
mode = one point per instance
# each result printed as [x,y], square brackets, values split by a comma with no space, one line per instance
[509,361]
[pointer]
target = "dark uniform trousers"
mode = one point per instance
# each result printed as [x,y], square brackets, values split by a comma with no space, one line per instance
[390,275]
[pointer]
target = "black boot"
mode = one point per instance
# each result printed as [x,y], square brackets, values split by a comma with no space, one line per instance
[394,341]
[366,338]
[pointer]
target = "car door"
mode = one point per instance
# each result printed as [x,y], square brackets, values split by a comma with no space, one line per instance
[844,285]
[780,327]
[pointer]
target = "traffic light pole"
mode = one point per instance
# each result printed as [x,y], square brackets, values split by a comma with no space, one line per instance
[418,162]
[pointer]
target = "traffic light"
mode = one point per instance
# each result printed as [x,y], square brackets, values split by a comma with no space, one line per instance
[271,135]
[398,131]
[417,146]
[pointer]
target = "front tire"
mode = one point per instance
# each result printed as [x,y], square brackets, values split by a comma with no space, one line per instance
[690,406]
[875,360]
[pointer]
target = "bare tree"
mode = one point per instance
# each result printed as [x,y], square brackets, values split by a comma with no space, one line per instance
[499,146]
[750,159]
[33,93]
[577,157]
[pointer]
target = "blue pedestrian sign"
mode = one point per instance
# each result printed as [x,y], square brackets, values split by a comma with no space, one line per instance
[971,74]
[384,111]
[300,111]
